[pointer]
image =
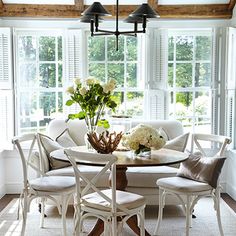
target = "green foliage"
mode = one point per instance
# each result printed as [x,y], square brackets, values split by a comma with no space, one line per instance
[92,98]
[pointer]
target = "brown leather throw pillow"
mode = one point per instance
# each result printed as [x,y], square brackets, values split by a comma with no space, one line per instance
[202,169]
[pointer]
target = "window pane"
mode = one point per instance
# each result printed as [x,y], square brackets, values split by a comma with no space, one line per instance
[170,74]
[60,102]
[184,48]
[59,48]
[47,47]
[132,75]
[47,74]
[184,103]
[202,74]
[26,122]
[203,48]
[96,48]
[131,48]
[171,49]
[203,125]
[97,70]
[44,122]
[114,55]
[116,72]
[27,48]
[184,75]
[27,75]
[202,104]
[134,105]
[28,103]
[60,73]
[47,103]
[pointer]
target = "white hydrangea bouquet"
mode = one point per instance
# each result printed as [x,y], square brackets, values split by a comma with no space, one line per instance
[142,138]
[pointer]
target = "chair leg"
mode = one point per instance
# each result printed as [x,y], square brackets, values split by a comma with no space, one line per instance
[217,208]
[188,215]
[42,212]
[24,213]
[142,217]
[160,212]
[63,212]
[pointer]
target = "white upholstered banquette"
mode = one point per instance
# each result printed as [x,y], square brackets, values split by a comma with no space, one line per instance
[141,180]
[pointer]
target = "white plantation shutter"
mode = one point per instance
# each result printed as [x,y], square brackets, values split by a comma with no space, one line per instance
[75,54]
[156,99]
[231,86]
[6,92]
[6,119]
[5,59]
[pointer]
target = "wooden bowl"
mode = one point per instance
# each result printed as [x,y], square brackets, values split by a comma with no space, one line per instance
[106,142]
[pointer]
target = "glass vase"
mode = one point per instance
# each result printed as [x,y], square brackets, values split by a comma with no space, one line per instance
[144,153]
[90,130]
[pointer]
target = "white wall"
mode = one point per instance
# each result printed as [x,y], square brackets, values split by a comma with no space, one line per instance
[231,174]
[2,175]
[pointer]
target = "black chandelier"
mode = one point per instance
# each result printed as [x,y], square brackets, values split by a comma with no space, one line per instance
[94,13]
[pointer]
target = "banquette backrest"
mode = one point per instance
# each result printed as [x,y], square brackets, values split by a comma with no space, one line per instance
[77,128]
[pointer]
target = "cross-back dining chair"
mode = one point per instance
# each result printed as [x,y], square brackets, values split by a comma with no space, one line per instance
[107,204]
[197,177]
[44,186]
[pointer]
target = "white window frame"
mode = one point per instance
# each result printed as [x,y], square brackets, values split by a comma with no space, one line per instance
[193,89]
[37,33]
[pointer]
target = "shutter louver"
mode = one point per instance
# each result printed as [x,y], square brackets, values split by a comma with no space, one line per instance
[156,100]
[5,59]
[231,86]
[6,92]
[74,64]
[6,118]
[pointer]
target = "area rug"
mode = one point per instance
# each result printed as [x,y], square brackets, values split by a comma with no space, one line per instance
[173,223]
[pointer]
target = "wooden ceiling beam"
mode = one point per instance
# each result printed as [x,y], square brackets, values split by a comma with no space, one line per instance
[232,4]
[74,11]
[1,4]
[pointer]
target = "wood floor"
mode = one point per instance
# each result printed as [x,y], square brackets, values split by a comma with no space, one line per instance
[8,197]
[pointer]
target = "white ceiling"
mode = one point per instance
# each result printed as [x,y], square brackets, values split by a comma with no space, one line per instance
[111,2]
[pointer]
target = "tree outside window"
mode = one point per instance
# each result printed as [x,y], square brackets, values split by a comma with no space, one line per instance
[105,63]
[189,79]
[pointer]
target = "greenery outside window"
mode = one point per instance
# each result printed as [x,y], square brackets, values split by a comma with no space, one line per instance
[189,79]
[39,70]
[124,65]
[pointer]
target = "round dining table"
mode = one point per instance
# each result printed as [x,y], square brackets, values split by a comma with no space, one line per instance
[126,159]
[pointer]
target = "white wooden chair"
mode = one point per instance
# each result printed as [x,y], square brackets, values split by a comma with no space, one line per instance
[43,186]
[107,204]
[189,191]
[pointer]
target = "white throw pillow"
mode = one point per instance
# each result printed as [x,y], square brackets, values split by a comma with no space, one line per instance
[179,143]
[163,133]
[65,140]
[49,145]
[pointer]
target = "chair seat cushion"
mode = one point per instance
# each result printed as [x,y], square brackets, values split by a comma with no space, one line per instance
[90,172]
[125,199]
[184,185]
[53,183]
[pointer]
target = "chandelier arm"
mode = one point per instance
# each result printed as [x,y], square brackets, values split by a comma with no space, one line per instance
[106,31]
[131,32]
[101,34]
